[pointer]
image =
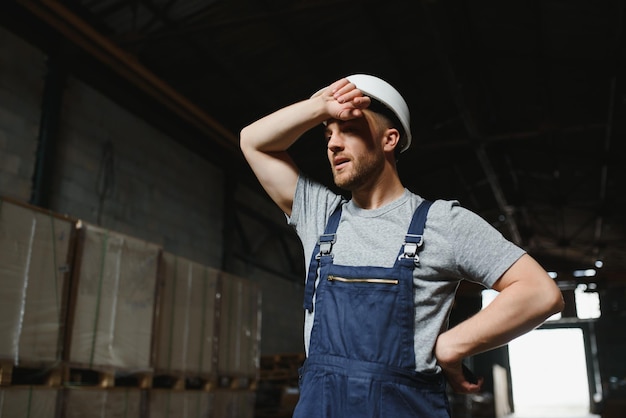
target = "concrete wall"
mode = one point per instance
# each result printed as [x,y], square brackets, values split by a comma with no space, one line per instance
[116,170]
[21,84]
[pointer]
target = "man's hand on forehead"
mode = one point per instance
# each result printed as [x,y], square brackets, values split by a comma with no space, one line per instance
[345,100]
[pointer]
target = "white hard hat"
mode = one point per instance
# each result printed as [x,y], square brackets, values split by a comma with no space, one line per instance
[386,94]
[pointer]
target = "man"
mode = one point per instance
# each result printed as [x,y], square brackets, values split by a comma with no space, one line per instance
[385,264]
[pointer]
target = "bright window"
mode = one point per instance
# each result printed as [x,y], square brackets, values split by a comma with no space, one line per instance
[587,302]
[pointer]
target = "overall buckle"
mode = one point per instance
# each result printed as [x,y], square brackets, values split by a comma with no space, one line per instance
[325,242]
[412,244]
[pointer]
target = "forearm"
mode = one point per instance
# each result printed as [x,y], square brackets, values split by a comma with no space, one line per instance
[517,309]
[279,130]
[528,296]
[265,142]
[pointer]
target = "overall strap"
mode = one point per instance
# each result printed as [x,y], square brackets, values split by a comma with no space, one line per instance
[322,249]
[414,239]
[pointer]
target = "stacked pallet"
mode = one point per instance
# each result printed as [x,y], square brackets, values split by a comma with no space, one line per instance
[278,390]
[36,250]
[97,323]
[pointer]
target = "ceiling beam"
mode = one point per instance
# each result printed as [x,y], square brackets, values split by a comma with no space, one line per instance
[79,32]
[474,135]
[596,128]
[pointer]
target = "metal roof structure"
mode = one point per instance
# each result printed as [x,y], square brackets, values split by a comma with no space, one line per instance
[518,107]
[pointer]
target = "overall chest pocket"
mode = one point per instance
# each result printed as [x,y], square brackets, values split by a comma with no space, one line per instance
[359,296]
[362,280]
[363,285]
[365,317]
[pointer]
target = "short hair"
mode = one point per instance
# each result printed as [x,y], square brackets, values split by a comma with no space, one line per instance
[381,110]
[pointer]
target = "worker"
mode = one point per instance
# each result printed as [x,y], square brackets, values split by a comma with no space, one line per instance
[384,263]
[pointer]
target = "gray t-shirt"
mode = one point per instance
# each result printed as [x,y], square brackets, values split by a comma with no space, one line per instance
[458,244]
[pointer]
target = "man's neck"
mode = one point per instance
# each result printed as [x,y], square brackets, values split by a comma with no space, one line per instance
[384,191]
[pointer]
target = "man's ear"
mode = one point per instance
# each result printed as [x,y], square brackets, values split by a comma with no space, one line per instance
[392,139]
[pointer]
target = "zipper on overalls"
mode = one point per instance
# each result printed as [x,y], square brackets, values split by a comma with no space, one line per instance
[361,280]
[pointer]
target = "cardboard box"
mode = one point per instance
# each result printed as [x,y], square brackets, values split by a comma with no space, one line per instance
[36,248]
[29,401]
[113,301]
[233,404]
[102,403]
[186,338]
[181,404]
[240,327]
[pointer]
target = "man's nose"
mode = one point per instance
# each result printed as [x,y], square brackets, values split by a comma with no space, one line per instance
[335,142]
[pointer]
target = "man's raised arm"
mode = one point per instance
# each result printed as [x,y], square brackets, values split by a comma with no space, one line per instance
[264,143]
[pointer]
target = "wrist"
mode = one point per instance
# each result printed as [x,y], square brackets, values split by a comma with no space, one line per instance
[446,351]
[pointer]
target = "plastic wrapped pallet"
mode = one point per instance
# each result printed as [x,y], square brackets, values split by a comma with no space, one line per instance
[28,401]
[186,340]
[181,404]
[113,294]
[239,333]
[102,403]
[36,248]
[234,404]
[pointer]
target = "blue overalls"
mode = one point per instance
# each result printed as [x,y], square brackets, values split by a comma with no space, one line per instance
[361,360]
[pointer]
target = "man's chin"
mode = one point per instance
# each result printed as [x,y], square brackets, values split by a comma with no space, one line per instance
[343,183]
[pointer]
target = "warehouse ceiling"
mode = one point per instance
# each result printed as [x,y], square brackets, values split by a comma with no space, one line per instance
[518,107]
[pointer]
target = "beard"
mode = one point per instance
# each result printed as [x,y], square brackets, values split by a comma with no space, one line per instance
[364,171]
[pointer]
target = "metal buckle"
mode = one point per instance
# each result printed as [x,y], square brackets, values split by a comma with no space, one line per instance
[410,249]
[412,243]
[419,239]
[325,242]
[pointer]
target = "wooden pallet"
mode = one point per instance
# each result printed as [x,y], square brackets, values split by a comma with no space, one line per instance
[281,367]
[30,375]
[183,381]
[236,383]
[282,361]
[106,378]
[277,393]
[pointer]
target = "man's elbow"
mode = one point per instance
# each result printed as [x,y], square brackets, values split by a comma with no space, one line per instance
[247,144]
[243,139]
[554,301]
